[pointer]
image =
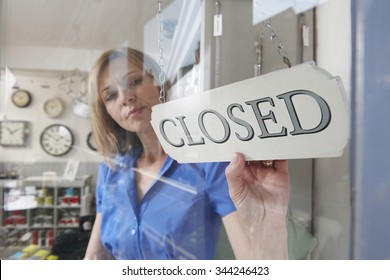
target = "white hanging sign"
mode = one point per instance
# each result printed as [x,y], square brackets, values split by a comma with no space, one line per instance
[299,112]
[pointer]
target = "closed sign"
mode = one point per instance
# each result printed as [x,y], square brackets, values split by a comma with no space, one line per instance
[300,112]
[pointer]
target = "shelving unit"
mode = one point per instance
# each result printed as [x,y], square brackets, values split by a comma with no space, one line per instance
[50,206]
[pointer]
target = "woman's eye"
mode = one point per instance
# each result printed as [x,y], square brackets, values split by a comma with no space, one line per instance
[110,95]
[135,82]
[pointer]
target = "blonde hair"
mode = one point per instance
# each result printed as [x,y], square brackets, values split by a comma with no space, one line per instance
[111,139]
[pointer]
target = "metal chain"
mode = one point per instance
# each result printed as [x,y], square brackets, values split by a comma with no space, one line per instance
[217,76]
[277,43]
[259,55]
[161,61]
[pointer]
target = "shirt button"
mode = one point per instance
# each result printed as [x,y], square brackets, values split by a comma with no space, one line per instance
[133,232]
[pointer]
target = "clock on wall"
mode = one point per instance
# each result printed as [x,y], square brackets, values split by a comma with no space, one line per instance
[91,142]
[13,133]
[53,107]
[21,98]
[57,140]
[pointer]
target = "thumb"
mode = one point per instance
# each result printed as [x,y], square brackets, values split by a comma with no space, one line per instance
[234,171]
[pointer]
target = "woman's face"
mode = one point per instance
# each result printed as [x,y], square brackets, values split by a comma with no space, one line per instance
[128,95]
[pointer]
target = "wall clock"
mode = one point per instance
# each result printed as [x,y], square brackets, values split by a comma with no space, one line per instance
[13,133]
[91,142]
[53,107]
[57,140]
[21,98]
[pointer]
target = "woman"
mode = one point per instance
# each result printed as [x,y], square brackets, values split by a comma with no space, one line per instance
[151,207]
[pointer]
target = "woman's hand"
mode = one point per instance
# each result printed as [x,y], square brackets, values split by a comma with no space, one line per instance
[260,193]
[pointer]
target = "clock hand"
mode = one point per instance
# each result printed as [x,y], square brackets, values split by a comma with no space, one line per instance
[11,131]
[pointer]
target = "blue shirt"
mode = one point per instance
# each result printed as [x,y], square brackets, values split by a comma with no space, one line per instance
[179,217]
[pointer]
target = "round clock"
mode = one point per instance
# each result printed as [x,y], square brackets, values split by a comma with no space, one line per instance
[21,98]
[53,107]
[91,142]
[56,140]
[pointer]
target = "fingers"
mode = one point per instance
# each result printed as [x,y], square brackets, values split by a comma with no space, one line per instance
[237,166]
[280,166]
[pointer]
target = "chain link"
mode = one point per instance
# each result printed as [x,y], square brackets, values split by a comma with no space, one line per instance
[277,43]
[274,38]
[161,61]
[217,7]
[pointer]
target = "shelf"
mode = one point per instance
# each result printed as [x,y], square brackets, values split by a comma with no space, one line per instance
[65,227]
[57,205]
[41,226]
[16,226]
[68,206]
[45,207]
[58,182]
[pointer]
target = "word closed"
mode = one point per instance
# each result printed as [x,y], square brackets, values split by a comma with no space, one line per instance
[300,112]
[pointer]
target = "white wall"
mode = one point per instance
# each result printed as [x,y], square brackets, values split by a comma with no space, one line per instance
[52,59]
[44,85]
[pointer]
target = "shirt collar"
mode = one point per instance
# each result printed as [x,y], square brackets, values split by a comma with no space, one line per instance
[128,159]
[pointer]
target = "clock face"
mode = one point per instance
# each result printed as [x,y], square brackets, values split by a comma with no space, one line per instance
[53,107]
[21,98]
[13,133]
[91,142]
[57,140]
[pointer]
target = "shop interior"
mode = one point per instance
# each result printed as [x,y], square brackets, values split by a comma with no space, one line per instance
[47,50]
